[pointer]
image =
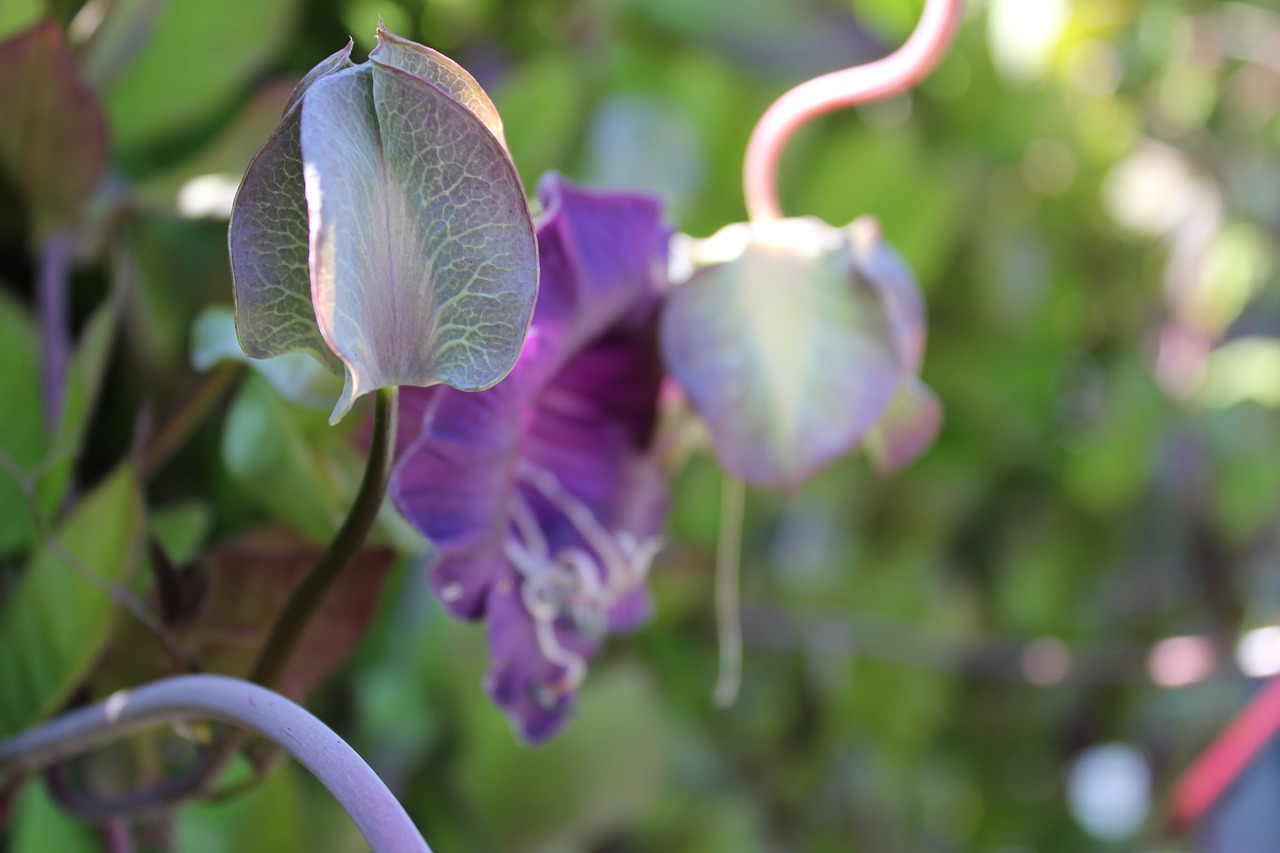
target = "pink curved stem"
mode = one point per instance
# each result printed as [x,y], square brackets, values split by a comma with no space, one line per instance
[1224,760]
[895,73]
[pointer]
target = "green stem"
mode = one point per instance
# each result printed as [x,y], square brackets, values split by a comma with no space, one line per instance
[307,597]
[728,563]
[190,414]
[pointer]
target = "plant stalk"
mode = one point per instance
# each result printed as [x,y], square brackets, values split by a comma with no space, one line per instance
[288,630]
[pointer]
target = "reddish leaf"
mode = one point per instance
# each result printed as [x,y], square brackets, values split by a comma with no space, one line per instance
[243,586]
[8,795]
[251,579]
[53,134]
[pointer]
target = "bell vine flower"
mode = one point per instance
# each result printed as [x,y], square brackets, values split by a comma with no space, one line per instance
[540,494]
[383,229]
[797,341]
[911,420]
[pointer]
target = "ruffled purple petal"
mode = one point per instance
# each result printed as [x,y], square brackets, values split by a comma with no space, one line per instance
[454,481]
[596,418]
[521,681]
[554,460]
[602,257]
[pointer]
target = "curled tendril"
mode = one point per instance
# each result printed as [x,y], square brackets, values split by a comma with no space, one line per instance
[376,812]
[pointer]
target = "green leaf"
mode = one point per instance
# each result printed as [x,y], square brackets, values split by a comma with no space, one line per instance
[88,370]
[297,377]
[18,15]
[196,57]
[55,623]
[204,185]
[39,826]
[424,261]
[544,99]
[784,351]
[43,460]
[181,529]
[764,34]
[280,463]
[271,818]
[53,145]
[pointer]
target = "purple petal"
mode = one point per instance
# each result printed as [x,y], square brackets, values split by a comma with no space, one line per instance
[521,681]
[454,483]
[564,442]
[884,270]
[414,405]
[597,417]
[908,427]
[632,610]
[602,255]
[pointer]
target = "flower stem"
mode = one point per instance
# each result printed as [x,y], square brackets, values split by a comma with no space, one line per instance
[285,634]
[306,598]
[895,73]
[728,567]
[375,810]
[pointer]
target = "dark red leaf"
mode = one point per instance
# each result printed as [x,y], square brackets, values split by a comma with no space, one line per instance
[53,134]
[250,581]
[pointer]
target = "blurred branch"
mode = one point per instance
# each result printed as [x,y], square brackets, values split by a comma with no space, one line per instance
[134,805]
[53,301]
[849,635]
[117,838]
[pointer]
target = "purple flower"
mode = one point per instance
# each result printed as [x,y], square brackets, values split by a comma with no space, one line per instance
[540,493]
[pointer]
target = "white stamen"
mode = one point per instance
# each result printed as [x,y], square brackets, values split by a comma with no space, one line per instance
[582,564]
[581,583]
[575,667]
[527,523]
[578,513]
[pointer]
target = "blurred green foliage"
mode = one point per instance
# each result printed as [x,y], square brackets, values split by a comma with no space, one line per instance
[1089,191]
